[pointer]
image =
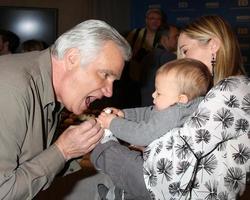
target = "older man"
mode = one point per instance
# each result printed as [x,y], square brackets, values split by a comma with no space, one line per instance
[34,87]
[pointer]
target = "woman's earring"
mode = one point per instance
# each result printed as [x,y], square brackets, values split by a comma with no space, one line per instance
[213,62]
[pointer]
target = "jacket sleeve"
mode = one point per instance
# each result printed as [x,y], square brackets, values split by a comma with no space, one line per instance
[138,114]
[145,127]
[20,177]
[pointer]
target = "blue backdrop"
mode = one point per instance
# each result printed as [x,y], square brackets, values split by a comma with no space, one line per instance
[180,12]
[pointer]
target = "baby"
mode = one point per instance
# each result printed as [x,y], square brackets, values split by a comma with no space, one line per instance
[179,87]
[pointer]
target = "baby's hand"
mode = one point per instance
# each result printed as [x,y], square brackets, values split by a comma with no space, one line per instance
[114,111]
[105,119]
[107,110]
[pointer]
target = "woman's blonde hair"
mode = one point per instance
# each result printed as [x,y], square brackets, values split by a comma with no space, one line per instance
[228,58]
[192,76]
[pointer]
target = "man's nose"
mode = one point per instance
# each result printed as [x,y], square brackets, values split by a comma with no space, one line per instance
[108,89]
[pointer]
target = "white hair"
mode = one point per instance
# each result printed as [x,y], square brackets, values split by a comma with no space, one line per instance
[89,37]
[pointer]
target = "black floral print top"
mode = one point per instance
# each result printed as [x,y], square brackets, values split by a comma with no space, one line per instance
[209,157]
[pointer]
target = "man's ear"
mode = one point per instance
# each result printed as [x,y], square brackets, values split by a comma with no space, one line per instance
[72,58]
[182,98]
[214,44]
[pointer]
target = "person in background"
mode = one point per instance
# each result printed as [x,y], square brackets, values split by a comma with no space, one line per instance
[9,42]
[207,158]
[143,40]
[168,37]
[180,87]
[32,45]
[165,51]
[79,68]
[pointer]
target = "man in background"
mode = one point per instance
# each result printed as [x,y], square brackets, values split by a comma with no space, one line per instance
[143,40]
[9,42]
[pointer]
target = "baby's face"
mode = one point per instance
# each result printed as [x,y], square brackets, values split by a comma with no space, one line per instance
[166,91]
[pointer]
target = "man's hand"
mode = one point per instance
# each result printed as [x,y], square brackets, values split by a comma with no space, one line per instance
[78,140]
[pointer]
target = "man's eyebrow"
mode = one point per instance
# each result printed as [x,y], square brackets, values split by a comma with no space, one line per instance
[110,72]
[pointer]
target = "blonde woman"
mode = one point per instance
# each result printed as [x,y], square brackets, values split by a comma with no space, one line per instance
[209,158]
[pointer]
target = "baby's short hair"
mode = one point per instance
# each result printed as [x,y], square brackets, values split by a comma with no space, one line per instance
[192,76]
